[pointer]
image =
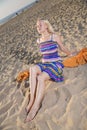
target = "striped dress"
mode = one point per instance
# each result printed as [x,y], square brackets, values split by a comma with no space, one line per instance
[51,61]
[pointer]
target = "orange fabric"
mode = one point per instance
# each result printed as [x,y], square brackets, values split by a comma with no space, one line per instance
[23,75]
[79,59]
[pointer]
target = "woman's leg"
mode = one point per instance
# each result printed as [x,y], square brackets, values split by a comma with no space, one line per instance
[39,95]
[34,71]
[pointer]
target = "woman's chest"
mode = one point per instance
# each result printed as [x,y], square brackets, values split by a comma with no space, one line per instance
[48,46]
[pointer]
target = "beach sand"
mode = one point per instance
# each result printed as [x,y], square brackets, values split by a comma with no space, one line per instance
[64,106]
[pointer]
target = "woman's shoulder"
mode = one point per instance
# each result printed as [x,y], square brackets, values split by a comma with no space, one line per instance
[38,40]
[56,35]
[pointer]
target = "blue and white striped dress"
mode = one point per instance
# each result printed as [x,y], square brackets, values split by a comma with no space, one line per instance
[52,62]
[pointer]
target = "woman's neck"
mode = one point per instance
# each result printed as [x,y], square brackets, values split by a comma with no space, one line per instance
[45,34]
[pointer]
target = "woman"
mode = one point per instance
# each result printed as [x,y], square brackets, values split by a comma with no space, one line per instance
[50,68]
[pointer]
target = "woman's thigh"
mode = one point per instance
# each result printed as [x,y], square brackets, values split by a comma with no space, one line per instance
[43,76]
[36,69]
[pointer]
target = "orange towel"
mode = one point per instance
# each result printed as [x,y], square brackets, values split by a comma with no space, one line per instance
[79,59]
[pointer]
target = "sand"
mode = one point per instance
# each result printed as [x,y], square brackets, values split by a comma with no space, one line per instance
[64,106]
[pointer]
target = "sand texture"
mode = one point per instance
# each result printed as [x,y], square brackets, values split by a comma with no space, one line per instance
[64,106]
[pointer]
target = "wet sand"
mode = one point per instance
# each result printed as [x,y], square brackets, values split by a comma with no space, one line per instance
[64,106]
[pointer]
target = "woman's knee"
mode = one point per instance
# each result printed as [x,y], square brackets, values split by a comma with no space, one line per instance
[41,78]
[34,69]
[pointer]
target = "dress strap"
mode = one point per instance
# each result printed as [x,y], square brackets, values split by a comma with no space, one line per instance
[39,39]
[52,37]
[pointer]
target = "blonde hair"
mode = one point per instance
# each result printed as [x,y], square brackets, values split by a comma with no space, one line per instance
[49,26]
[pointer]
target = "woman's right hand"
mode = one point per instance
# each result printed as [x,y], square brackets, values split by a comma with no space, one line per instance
[73,53]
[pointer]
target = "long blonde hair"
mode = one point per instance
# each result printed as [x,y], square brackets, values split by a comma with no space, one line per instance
[49,26]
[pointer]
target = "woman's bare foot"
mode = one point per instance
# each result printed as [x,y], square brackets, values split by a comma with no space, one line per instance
[32,113]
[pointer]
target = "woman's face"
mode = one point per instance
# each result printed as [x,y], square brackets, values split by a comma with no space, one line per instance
[41,26]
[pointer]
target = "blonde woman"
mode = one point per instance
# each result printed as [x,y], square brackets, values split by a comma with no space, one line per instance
[50,68]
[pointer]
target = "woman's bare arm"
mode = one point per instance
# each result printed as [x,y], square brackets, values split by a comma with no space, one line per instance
[59,41]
